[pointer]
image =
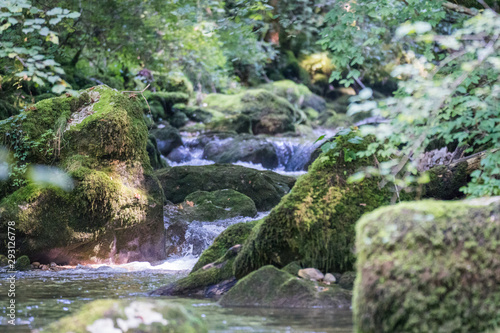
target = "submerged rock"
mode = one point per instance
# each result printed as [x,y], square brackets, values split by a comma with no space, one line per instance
[314,224]
[113,206]
[271,287]
[141,315]
[429,266]
[265,188]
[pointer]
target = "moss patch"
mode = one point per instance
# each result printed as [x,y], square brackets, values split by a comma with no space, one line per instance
[429,266]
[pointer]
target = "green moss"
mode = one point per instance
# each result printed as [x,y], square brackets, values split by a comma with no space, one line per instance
[233,235]
[429,266]
[216,205]
[314,223]
[445,183]
[237,123]
[269,114]
[154,155]
[170,318]
[167,100]
[7,110]
[297,94]
[23,263]
[3,260]
[265,188]
[293,268]
[173,82]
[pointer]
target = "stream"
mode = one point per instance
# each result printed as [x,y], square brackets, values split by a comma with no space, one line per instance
[45,296]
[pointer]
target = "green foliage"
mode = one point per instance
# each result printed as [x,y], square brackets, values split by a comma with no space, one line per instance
[455,99]
[28,42]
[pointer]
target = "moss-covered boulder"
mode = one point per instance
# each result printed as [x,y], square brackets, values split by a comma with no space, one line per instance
[297,94]
[218,205]
[197,113]
[172,82]
[271,287]
[167,138]
[265,188]
[244,148]
[23,263]
[140,315]
[269,113]
[213,273]
[429,266]
[314,223]
[239,123]
[112,208]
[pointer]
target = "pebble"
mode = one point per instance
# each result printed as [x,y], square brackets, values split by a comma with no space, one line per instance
[311,274]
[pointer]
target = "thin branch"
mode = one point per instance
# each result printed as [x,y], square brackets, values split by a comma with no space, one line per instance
[460,9]
[142,94]
[484,4]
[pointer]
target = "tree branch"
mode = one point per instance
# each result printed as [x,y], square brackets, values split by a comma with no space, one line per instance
[460,9]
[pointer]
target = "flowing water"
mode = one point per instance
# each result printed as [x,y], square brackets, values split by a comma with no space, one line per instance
[45,296]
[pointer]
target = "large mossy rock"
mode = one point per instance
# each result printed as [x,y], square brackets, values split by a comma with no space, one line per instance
[429,266]
[269,113]
[141,315]
[271,287]
[297,94]
[314,223]
[162,102]
[114,210]
[244,148]
[265,188]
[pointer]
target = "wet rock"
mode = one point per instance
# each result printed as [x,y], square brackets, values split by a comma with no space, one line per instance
[429,266]
[113,184]
[238,123]
[53,265]
[329,278]
[195,113]
[244,148]
[265,188]
[44,267]
[35,265]
[140,315]
[167,138]
[271,287]
[180,154]
[178,119]
[311,274]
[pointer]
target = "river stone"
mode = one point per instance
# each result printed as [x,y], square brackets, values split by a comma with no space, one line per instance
[140,315]
[429,266]
[329,278]
[265,188]
[35,265]
[271,287]
[244,148]
[311,274]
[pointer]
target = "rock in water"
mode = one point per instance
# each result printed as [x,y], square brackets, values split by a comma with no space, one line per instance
[141,315]
[311,274]
[429,266]
[271,287]
[265,188]
[114,193]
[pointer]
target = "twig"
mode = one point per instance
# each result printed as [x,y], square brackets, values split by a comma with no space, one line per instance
[460,9]
[484,4]
[142,94]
